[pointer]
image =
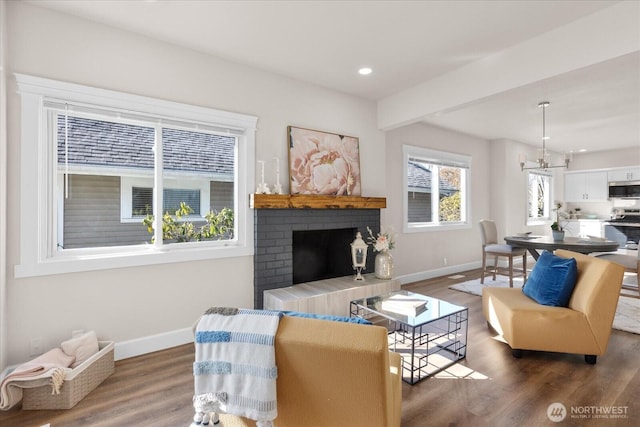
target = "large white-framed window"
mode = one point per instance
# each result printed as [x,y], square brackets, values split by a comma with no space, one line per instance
[94,160]
[436,185]
[539,197]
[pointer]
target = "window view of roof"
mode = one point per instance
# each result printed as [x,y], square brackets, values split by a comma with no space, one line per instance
[419,179]
[104,143]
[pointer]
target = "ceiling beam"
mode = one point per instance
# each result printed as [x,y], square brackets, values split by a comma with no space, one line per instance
[601,36]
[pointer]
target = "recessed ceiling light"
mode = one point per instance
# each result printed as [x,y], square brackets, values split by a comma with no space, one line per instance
[582,150]
[365,71]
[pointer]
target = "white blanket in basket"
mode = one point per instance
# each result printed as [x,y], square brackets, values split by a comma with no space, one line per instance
[50,368]
[235,371]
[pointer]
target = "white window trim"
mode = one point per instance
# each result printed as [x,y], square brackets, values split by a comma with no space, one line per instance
[38,221]
[408,152]
[542,220]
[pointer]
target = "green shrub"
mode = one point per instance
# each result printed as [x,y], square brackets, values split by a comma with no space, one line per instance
[219,226]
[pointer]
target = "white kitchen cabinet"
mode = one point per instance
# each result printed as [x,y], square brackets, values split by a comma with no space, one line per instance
[585,186]
[627,174]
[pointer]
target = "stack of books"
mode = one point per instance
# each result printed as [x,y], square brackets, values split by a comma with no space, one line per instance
[404,304]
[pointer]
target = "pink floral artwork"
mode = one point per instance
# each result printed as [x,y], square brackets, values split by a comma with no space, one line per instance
[323,163]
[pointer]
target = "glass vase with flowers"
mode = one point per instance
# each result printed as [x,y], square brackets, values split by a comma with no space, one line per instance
[382,243]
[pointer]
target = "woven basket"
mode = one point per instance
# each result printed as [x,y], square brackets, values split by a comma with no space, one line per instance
[77,384]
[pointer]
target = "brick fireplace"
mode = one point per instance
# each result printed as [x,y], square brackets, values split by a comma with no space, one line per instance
[274,225]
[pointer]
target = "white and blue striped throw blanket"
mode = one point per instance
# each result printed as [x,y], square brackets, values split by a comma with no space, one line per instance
[235,370]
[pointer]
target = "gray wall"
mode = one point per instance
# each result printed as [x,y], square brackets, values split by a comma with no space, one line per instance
[92,212]
[419,206]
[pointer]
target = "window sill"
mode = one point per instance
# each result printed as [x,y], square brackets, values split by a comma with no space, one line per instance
[147,257]
[426,228]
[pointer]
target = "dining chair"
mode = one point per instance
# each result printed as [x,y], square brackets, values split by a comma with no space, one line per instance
[631,264]
[491,248]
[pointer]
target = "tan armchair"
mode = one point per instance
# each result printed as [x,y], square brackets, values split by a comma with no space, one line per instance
[333,374]
[583,327]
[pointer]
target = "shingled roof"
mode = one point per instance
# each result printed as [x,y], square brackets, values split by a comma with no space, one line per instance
[102,143]
[419,178]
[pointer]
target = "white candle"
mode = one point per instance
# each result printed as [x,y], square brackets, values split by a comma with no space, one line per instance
[262,173]
[277,171]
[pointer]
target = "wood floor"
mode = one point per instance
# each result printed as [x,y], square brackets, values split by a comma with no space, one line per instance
[488,388]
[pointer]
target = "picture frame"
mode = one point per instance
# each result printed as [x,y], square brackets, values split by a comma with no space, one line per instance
[323,163]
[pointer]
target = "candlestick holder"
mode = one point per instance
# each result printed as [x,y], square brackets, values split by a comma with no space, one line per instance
[277,188]
[263,189]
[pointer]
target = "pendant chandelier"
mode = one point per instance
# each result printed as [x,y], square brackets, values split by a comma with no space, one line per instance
[544,157]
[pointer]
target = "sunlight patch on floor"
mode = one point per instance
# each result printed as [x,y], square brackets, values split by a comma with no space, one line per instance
[459,371]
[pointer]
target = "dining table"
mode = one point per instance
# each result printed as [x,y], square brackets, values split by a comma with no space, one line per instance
[583,245]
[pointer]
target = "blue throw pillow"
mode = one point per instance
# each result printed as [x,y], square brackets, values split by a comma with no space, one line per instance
[327,317]
[552,280]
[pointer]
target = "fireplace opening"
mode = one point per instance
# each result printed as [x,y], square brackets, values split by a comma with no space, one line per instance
[322,254]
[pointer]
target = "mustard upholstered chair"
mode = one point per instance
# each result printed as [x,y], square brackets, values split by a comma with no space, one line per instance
[491,248]
[583,327]
[333,374]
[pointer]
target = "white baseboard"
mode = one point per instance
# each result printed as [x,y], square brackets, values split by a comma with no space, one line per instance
[149,344]
[445,271]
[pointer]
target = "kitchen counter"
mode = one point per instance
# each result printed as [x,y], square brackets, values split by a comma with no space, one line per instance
[584,227]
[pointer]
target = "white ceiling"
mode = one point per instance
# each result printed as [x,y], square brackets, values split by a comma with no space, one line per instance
[406,43]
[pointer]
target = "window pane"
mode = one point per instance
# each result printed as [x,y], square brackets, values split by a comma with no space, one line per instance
[450,179]
[96,160]
[419,191]
[94,155]
[539,198]
[173,198]
[141,201]
[198,173]
[436,193]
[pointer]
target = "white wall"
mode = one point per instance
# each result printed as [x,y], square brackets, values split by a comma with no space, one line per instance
[128,304]
[3,187]
[606,159]
[421,255]
[509,187]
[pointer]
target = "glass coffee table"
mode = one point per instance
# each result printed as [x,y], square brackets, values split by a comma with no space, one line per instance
[430,337]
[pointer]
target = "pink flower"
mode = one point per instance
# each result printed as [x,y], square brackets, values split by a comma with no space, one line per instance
[324,163]
[383,241]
